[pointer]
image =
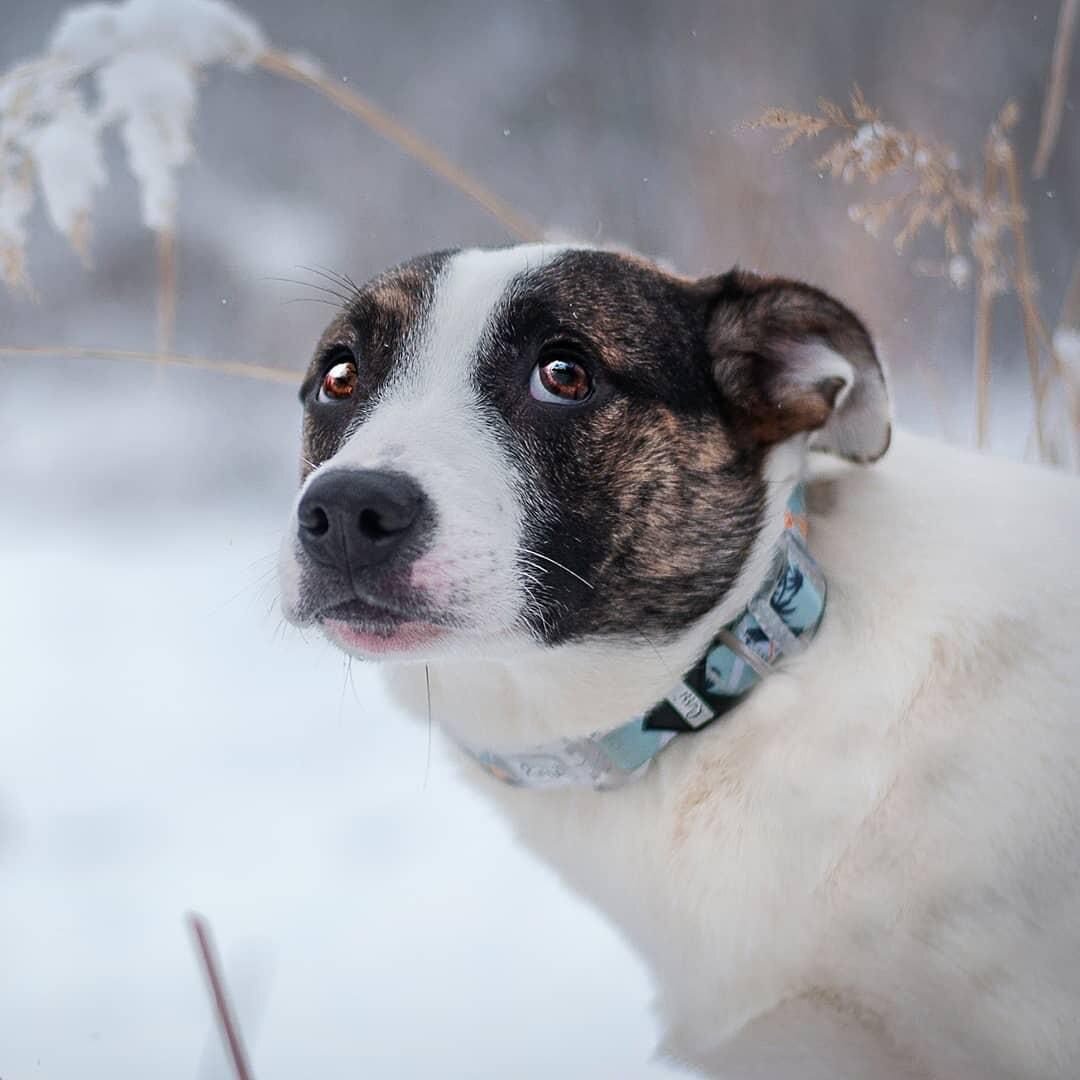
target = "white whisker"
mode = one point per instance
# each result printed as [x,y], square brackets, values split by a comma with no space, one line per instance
[555,562]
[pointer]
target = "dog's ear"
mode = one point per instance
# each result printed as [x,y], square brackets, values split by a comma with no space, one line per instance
[788,358]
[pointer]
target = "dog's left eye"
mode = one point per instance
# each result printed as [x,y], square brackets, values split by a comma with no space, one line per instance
[561,380]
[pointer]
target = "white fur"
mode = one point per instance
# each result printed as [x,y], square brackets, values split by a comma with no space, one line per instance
[872,868]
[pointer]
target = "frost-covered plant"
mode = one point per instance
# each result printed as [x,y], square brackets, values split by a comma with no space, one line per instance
[133,65]
[934,190]
[981,221]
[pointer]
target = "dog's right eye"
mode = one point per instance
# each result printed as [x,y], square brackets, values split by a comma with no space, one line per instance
[560,379]
[340,380]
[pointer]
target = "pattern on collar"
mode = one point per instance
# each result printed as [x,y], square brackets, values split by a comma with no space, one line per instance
[779,621]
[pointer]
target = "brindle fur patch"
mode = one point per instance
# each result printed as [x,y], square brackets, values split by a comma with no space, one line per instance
[376,327]
[646,493]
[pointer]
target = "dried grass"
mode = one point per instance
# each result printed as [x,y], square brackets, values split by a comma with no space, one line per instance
[405,138]
[981,222]
[165,245]
[1054,103]
[305,72]
[238,368]
[1070,308]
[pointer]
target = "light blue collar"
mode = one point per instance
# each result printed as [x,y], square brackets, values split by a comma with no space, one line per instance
[779,621]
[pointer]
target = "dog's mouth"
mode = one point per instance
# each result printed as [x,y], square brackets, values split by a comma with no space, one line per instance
[370,628]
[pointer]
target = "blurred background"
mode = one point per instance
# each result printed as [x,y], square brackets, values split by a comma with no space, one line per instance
[164,743]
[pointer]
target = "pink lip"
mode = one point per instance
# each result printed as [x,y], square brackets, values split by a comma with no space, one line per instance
[403,638]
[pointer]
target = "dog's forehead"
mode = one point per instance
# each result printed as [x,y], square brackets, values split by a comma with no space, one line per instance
[474,288]
[445,306]
[389,306]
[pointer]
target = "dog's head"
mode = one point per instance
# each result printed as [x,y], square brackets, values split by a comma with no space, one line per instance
[542,445]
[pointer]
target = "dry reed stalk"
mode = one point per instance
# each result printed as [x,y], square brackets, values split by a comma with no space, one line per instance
[1025,285]
[1070,307]
[281,64]
[261,372]
[278,63]
[984,309]
[165,244]
[1054,102]
[975,221]
[230,1031]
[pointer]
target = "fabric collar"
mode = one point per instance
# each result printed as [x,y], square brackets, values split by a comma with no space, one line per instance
[779,621]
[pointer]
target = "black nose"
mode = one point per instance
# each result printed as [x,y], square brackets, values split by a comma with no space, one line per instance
[354,519]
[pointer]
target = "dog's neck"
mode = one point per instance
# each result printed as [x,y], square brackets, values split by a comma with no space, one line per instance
[572,692]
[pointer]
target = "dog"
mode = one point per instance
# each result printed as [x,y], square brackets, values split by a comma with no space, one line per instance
[802,716]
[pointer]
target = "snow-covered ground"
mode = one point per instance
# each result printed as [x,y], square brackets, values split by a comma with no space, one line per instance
[167,747]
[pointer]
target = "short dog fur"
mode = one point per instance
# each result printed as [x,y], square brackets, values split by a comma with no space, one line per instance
[551,474]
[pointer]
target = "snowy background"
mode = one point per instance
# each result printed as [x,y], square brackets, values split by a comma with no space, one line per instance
[164,744]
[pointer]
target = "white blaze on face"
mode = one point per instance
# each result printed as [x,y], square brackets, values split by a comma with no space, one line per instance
[428,422]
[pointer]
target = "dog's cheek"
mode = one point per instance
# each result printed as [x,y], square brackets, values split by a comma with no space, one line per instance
[670,507]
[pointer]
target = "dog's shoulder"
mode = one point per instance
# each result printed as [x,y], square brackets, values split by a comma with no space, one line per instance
[914,777]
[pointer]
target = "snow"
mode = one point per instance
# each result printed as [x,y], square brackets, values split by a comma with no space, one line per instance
[16,202]
[1067,346]
[152,96]
[67,151]
[144,58]
[306,64]
[866,138]
[958,271]
[195,32]
[167,748]
[87,36]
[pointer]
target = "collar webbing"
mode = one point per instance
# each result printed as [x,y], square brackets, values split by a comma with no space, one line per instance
[779,621]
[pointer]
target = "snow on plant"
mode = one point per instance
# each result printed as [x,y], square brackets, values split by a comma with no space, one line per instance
[982,221]
[133,65]
[934,191]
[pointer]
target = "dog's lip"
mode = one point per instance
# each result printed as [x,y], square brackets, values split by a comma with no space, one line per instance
[365,609]
[374,627]
[399,638]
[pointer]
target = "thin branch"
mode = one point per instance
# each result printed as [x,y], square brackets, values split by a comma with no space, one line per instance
[1025,291]
[984,305]
[281,64]
[984,310]
[230,1032]
[166,294]
[262,372]
[1070,308]
[1054,103]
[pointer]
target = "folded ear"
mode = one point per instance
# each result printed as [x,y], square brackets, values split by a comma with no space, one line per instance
[788,358]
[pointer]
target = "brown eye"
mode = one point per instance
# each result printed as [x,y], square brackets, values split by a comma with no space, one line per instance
[561,380]
[339,382]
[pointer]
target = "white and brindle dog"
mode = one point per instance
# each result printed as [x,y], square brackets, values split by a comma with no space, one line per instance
[827,782]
